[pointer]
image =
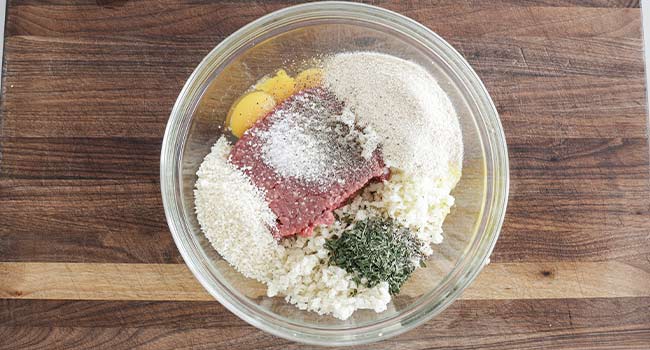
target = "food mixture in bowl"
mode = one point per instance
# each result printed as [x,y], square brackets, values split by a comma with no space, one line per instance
[338,183]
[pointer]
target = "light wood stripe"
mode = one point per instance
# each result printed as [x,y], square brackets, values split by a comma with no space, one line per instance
[80,281]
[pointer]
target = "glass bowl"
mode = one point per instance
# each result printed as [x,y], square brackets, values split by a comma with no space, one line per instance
[283,39]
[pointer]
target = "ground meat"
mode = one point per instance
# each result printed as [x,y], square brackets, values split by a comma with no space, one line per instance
[301,205]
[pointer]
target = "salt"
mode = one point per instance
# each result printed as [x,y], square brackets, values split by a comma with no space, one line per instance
[234,215]
[314,140]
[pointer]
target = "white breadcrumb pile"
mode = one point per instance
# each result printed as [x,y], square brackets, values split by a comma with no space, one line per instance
[235,216]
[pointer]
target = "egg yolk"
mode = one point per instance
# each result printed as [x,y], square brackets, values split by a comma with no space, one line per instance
[280,86]
[309,78]
[248,109]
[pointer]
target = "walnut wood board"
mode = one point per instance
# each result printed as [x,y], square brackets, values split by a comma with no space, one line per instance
[87,260]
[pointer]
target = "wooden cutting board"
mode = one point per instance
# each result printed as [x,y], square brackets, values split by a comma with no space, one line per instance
[86,258]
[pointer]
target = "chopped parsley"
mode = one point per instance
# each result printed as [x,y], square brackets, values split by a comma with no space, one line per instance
[376,250]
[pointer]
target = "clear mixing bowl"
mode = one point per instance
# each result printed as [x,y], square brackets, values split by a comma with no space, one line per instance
[289,37]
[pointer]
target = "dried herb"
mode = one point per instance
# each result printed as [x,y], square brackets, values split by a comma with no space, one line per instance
[376,250]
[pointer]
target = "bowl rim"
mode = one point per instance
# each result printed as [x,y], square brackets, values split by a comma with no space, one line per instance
[494,205]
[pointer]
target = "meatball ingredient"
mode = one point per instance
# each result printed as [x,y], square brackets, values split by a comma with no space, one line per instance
[405,105]
[248,109]
[309,78]
[234,215]
[375,250]
[281,86]
[307,160]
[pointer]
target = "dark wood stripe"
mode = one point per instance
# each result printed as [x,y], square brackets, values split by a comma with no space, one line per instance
[63,88]
[112,4]
[138,159]
[494,56]
[500,57]
[84,221]
[507,324]
[80,158]
[63,313]
[584,159]
[582,199]
[570,107]
[170,19]
[587,3]
[92,88]
[75,338]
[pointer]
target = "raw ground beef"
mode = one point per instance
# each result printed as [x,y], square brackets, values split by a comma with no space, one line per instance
[301,205]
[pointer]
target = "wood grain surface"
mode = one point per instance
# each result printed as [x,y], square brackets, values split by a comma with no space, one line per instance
[86,258]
